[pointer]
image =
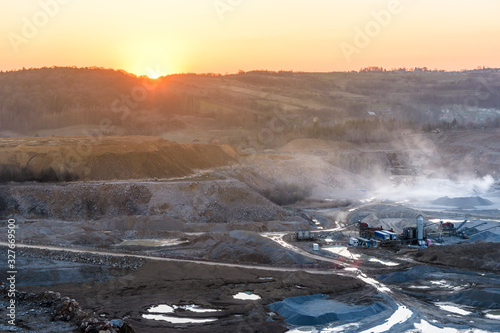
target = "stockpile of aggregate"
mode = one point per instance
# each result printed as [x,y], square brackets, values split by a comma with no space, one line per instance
[463,202]
[318,309]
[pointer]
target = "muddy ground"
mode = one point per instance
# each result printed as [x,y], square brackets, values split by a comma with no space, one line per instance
[220,215]
[116,292]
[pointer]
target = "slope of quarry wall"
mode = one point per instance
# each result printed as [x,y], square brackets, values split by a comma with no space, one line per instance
[109,158]
[204,201]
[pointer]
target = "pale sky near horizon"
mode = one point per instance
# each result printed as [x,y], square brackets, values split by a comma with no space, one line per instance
[179,36]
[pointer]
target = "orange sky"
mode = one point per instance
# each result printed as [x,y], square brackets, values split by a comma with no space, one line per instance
[158,37]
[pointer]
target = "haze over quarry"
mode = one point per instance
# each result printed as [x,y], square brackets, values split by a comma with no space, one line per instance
[155,37]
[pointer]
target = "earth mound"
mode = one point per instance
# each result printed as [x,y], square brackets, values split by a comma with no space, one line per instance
[488,298]
[107,158]
[316,144]
[317,310]
[412,274]
[192,201]
[245,246]
[463,202]
[478,256]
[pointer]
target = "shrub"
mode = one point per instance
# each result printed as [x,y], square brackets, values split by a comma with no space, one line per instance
[10,173]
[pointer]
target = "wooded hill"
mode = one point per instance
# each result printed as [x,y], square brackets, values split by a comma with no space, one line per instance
[291,105]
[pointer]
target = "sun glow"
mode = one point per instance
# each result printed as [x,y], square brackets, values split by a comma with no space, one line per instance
[152,73]
[155,74]
[201,37]
[151,58]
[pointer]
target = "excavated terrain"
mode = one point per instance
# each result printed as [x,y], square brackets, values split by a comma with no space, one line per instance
[114,157]
[133,197]
[192,201]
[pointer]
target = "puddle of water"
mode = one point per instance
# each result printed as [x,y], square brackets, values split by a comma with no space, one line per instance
[303,330]
[247,295]
[161,309]
[419,287]
[384,262]
[493,314]
[342,251]
[195,308]
[343,328]
[278,238]
[401,315]
[450,307]
[178,320]
[194,233]
[446,284]
[377,285]
[151,242]
[333,329]
[424,326]
[158,313]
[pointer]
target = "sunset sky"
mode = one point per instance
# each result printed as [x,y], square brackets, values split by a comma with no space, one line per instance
[158,37]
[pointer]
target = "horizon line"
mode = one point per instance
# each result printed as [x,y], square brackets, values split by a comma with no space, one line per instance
[368,69]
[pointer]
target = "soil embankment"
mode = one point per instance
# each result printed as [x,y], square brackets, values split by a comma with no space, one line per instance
[107,158]
[191,201]
[184,283]
[475,256]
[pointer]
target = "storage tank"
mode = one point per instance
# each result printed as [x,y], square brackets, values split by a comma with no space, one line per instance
[420,227]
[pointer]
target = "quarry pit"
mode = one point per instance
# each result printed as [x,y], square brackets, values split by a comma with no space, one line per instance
[167,249]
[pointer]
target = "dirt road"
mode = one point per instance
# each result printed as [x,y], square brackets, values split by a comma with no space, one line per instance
[209,263]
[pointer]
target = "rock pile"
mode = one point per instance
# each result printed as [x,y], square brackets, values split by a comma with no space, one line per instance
[463,203]
[49,310]
[96,259]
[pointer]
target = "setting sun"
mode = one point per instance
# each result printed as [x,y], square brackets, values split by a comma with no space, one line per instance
[224,36]
[154,75]
[153,72]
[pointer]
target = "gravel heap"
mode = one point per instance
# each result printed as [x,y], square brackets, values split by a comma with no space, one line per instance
[49,312]
[463,202]
[317,310]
